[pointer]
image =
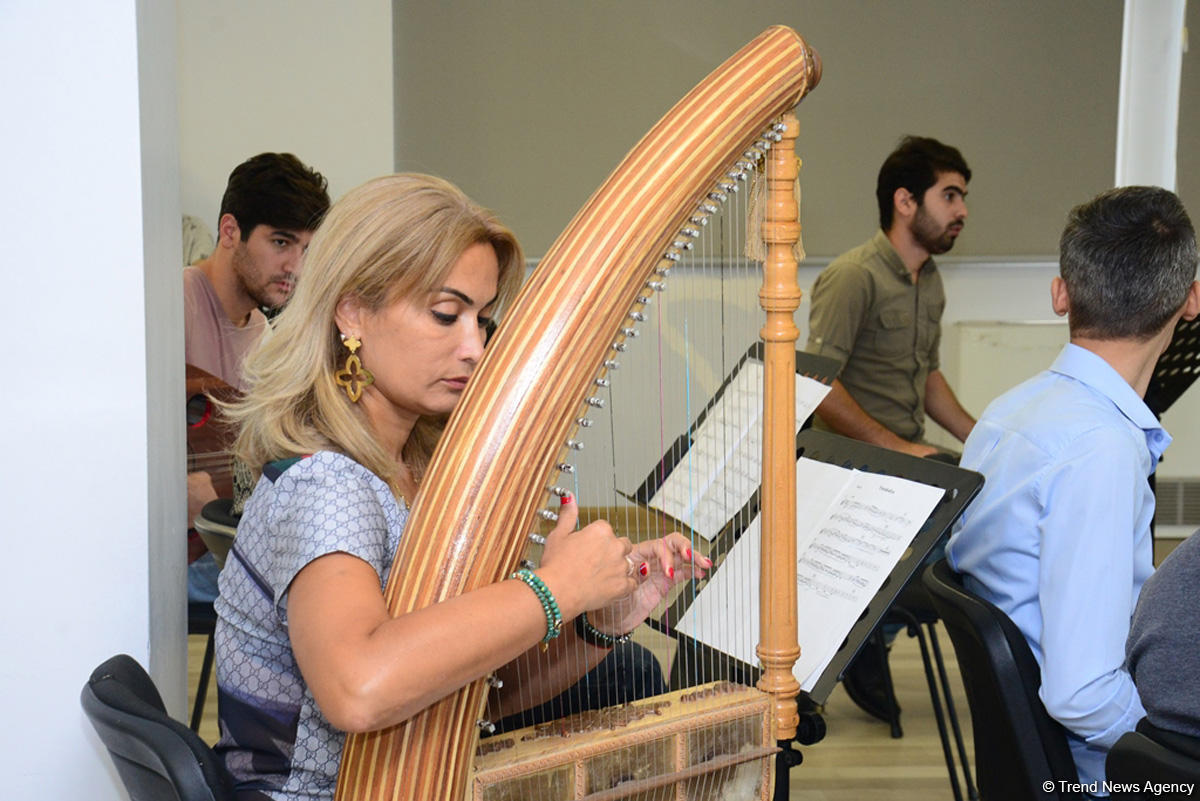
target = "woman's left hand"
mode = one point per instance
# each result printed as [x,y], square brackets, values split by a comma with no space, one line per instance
[658,565]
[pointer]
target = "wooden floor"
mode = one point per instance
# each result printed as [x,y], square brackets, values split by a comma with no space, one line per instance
[857,761]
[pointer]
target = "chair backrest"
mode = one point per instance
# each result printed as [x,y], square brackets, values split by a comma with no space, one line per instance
[1018,746]
[158,758]
[1151,754]
[217,525]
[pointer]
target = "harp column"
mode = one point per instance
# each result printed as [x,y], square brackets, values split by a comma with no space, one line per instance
[778,649]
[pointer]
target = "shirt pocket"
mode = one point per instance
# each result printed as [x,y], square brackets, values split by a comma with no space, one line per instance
[930,321]
[894,333]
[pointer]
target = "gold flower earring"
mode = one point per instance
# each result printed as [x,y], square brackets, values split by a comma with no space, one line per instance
[353,377]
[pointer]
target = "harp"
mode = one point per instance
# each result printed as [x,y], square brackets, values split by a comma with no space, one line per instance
[514,426]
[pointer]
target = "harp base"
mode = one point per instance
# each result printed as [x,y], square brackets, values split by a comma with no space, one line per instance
[690,745]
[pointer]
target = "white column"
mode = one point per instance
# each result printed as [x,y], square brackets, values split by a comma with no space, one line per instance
[91,465]
[1148,110]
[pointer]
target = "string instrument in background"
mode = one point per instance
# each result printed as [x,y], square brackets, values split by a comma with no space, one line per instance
[511,438]
[209,437]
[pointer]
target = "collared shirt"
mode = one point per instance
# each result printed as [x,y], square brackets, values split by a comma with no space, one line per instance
[1059,537]
[884,329]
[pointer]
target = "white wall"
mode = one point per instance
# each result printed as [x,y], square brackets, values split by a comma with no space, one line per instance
[88,153]
[311,77]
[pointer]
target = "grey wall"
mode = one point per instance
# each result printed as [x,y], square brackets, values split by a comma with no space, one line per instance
[528,106]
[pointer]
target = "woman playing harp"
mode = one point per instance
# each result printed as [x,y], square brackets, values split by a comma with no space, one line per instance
[344,406]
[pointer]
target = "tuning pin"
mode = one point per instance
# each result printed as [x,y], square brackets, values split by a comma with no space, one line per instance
[583,422]
[494,681]
[546,514]
[574,444]
[643,300]
[710,208]
[528,564]
[657,286]
[718,196]
[683,244]
[632,333]
[565,467]
[638,316]
[609,363]
[486,725]
[603,382]
[595,403]
[560,492]
[699,219]
[620,347]
[537,539]
[687,230]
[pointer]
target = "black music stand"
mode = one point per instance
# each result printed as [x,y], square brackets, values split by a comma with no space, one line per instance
[1177,368]
[696,662]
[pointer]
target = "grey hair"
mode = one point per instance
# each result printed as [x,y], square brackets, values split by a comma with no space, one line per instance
[1128,257]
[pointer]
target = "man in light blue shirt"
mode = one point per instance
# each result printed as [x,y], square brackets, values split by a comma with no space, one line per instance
[1059,538]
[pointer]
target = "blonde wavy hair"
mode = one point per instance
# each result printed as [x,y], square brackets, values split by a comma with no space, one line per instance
[392,237]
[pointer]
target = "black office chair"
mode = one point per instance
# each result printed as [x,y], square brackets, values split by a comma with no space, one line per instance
[1018,746]
[1151,754]
[158,758]
[217,526]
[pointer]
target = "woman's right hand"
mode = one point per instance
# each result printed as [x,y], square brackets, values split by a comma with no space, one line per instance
[585,569]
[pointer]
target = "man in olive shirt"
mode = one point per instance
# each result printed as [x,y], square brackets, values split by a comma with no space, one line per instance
[878,308]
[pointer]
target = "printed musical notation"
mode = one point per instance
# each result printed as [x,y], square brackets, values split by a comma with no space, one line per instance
[723,467]
[852,529]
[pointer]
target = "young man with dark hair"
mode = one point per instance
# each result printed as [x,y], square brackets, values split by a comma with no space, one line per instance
[1059,537]
[272,204]
[878,308]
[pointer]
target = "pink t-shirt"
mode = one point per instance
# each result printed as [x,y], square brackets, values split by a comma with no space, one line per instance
[211,341]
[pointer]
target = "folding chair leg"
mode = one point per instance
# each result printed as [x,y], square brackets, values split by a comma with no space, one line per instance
[972,792]
[202,684]
[935,699]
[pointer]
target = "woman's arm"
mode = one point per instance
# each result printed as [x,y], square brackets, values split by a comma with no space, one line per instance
[368,670]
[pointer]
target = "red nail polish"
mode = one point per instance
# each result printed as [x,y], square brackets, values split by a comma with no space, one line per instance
[687,554]
[644,569]
[670,572]
[564,500]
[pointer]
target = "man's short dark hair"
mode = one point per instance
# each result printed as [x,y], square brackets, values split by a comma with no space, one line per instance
[275,189]
[1128,257]
[915,165]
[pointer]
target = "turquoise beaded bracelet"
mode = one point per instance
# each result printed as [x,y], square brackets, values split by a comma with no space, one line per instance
[554,619]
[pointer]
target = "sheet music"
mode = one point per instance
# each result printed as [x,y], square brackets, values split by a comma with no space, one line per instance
[723,467]
[852,529]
